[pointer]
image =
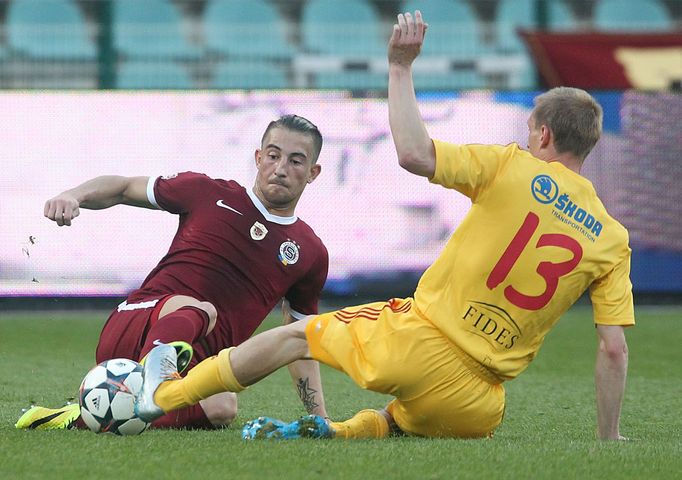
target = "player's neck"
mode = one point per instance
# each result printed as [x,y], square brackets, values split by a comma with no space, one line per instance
[567,160]
[279,211]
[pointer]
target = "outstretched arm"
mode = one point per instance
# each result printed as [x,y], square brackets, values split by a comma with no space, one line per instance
[98,193]
[610,374]
[306,376]
[413,145]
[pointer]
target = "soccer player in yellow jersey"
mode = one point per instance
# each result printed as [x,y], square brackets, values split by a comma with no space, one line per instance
[536,238]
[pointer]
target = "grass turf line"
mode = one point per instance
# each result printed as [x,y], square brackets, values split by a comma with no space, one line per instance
[548,432]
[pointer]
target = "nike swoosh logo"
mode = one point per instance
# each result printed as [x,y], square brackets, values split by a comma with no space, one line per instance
[44,420]
[221,204]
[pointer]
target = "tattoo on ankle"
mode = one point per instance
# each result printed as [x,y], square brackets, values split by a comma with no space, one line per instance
[307,394]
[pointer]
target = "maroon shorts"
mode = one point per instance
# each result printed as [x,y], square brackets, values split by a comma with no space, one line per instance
[125,332]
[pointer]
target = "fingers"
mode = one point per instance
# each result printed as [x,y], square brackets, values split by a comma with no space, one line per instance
[70,215]
[419,24]
[409,27]
[409,21]
[402,24]
[395,36]
[55,211]
[61,211]
[48,210]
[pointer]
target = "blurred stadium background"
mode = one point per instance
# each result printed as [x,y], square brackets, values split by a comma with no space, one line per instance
[145,87]
[290,43]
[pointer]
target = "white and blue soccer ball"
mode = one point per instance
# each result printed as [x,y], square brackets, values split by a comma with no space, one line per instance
[107,397]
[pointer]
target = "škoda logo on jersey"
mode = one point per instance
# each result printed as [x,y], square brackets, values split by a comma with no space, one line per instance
[288,252]
[546,191]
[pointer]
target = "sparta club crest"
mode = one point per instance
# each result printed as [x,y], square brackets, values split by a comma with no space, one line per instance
[288,252]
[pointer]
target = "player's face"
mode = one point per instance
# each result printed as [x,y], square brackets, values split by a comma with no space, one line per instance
[285,166]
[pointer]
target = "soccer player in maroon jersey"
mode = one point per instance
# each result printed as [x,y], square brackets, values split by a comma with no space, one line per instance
[237,252]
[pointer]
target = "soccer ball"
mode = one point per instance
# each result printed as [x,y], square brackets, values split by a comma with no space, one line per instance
[107,397]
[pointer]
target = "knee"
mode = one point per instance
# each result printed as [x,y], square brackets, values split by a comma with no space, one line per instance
[294,337]
[297,329]
[221,415]
[220,409]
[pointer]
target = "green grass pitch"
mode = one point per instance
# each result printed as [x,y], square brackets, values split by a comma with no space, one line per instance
[548,432]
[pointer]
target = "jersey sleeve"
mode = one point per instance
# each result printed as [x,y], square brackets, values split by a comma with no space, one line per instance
[178,193]
[304,296]
[611,296]
[470,169]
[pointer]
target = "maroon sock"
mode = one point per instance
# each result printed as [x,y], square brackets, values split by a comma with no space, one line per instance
[79,424]
[192,417]
[187,324]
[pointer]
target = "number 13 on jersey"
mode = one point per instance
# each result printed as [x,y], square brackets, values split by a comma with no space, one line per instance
[549,271]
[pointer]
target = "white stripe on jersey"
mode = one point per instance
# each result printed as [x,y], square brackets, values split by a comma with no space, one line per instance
[150,192]
[124,306]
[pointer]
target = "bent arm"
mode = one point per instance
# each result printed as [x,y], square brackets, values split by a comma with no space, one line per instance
[98,193]
[610,374]
[306,376]
[414,147]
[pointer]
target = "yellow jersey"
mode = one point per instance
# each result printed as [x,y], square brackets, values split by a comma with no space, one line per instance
[536,237]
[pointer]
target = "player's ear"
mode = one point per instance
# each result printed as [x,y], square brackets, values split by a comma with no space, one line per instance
[256,156]
[314,172]
[545,135]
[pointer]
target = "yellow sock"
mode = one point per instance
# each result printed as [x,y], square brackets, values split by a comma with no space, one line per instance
[365,424]
[213,375]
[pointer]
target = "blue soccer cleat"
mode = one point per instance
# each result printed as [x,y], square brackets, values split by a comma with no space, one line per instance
[309,426]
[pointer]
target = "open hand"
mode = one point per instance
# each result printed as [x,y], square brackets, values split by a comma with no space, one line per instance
[407,39]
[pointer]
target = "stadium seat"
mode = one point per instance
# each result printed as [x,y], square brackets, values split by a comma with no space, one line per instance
[629,15]
[448,81]
[454,29]
[351,80]
[49,28]
[150,29]
[351,30]
[349,27]
[239,74]
[152,75]
[246,28]
[514,14]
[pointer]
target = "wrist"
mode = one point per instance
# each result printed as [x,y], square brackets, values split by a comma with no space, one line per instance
[398,68]
[75,194]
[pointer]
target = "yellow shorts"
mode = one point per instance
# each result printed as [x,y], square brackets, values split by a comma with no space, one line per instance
[389,347]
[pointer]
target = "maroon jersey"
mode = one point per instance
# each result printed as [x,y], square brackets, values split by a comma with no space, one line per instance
[230,251]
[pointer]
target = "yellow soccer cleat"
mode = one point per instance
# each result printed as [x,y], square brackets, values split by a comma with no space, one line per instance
[42,418]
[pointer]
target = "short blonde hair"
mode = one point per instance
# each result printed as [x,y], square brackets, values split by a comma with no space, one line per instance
[574,118]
